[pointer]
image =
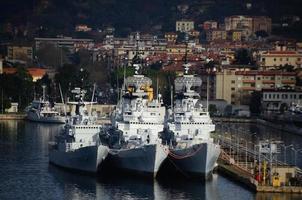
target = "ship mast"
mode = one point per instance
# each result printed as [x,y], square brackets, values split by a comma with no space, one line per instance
[43,87]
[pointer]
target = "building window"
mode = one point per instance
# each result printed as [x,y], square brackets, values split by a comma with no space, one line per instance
[232,89]
[233,81]
[280,59]
[275,59]
[258,78]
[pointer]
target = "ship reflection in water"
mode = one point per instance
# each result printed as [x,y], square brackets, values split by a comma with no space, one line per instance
[26,174]
[129,187]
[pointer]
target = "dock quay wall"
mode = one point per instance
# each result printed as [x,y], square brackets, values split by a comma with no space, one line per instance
[14,116]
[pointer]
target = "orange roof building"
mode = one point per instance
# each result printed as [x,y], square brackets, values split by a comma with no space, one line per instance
[36,73]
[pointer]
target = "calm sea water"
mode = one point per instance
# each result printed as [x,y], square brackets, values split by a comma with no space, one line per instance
[26,174]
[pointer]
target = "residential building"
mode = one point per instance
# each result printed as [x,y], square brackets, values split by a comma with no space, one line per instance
[194,33]
[236,84]
[72,44]
[208,25]
[253,23]
[236,35]
[184,25]
[273,99]
[171,37]
[262,23]
[13,108]
[82,28]
[179,49]
[36,73]
[280,57]
[238,21]
[216,35]
[15,52]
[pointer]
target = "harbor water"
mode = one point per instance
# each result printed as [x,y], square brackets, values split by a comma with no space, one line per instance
[26,174]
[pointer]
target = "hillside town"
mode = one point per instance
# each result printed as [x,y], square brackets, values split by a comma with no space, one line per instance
[241,63]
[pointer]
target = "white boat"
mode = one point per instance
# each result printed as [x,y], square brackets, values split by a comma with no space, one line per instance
[136,122]
[42,111]
[192,150]
[78,146]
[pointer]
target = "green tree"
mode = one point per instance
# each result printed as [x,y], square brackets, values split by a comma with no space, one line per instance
[243,57]
[212,109]
[5,101]
[262,34]
[70,76]
[52,56]
[255,103]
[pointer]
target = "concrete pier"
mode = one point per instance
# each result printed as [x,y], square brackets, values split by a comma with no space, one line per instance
[230,167]
[15,116]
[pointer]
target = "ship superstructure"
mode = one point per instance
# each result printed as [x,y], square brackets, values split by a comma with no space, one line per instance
[137,121]
[42,111]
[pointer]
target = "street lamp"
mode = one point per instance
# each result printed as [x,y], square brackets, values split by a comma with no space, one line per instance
[245,151]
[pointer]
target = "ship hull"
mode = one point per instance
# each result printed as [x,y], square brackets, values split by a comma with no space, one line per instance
[86,159]
[197,161]
[34,117]
[145,160]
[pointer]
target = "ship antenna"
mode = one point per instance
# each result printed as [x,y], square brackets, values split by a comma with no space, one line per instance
[157,88]
[43,86]
[208,79]
[172,97]
[61,94]
[92,98]
[186,65]
[136,59]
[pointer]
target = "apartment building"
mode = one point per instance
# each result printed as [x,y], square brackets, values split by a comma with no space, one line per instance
[16,52]
[178,49]
[280,57]
[72,44]
[216,35]
[171,37]
[273,99]
[238,21]
[184,25]
[253,23]
[235,85]
[208,25]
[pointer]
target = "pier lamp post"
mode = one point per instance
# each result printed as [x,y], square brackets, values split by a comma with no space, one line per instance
[245,152]
[255,152]
[284,151]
